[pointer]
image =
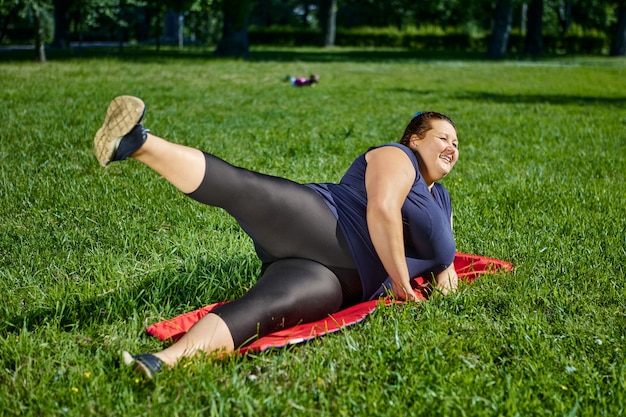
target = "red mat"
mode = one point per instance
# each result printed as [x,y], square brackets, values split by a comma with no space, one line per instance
[468,268]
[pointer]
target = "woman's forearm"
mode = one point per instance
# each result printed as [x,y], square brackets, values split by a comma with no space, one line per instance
[386,232]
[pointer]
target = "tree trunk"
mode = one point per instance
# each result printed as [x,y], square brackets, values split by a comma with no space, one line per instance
[62,23]
[618,46]
[564,12]
[499,40]
[534,40]
[305,14]
[181,30]
[328,20]
[40,48]
[234,42]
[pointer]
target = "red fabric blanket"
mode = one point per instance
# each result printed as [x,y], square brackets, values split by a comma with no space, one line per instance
[468,267]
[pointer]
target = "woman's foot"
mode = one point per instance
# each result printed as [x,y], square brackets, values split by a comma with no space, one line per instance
[121,133]
[146,363]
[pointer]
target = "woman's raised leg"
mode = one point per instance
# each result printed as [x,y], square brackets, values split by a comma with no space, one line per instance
[285,219]
[180,165]
[122,135]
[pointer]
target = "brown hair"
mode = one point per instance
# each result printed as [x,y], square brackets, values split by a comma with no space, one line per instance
[420,124]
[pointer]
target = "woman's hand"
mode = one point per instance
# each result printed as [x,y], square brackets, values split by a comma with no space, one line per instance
[403,291]
[389,177]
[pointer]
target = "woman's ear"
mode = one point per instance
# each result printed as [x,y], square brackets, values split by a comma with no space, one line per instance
[413,141]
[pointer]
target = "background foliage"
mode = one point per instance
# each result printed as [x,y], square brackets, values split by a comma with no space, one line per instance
[574,26]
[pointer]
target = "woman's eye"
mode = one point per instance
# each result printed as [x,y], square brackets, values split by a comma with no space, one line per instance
[455,144]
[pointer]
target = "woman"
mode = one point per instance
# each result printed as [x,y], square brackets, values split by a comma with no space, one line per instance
[304,82]
[323,247]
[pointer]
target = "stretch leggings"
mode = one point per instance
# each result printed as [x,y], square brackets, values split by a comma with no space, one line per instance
[308,271]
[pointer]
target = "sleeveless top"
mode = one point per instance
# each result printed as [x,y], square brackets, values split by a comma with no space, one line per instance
[429,244]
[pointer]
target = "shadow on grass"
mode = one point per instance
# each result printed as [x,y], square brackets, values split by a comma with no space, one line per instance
[168,290]
[556,99]
[151,54]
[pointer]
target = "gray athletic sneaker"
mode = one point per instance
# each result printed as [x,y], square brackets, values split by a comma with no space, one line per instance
[123,114]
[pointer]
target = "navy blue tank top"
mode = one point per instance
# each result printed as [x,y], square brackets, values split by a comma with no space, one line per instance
[429,244]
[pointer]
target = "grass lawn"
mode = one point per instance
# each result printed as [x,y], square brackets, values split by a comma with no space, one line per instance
[89,256]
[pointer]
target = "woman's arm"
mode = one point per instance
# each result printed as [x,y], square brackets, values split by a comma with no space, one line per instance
[388,179]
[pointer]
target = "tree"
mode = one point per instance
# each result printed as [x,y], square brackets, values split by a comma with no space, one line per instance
[39,11]
[62,23]
[328,18]
[234,41]
[38,14]
[305,9]
[563,11]
[293,13]
[9,12]
[618,45]
[499,39]
[380,13]
[533,44]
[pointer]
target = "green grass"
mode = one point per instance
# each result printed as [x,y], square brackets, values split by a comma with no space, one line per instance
[89,257]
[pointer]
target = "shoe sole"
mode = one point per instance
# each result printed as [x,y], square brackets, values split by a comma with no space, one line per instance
[123,114]
[130,361]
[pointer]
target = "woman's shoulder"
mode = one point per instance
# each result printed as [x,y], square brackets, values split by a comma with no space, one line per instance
[402,147]
[394,144]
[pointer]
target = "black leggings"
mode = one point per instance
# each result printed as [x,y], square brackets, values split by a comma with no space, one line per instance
[308,271]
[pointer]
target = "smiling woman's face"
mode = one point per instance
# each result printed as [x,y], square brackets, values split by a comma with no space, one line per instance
[437,151]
